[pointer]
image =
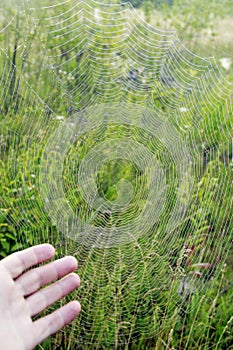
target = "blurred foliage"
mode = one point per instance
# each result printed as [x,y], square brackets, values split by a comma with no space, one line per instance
[23,222]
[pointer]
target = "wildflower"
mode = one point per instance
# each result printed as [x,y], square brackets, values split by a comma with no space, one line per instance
[226,62]
[183,109]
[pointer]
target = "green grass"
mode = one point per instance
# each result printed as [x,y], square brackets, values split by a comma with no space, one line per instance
[130,295]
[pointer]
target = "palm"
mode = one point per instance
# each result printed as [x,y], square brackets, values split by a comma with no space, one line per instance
[21,296]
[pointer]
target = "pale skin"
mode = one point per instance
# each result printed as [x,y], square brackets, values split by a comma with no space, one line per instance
[21,296]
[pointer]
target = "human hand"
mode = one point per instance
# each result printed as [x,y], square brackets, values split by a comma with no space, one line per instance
[21,297]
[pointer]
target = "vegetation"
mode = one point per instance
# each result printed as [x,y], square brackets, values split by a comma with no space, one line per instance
[169,288]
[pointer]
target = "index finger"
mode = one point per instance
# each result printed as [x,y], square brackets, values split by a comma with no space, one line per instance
[18,262]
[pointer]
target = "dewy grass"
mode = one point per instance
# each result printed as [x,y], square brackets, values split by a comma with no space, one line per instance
[137,295]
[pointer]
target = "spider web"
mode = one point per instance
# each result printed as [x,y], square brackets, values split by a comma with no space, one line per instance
[115,147]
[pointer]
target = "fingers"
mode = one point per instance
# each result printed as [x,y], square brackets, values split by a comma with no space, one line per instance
[52,323]
[47,296]
[36,278]
[18,262]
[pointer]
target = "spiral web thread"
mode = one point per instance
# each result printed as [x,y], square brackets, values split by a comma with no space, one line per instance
[114,138]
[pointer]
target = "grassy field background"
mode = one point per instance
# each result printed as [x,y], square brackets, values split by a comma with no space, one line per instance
[146,294]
